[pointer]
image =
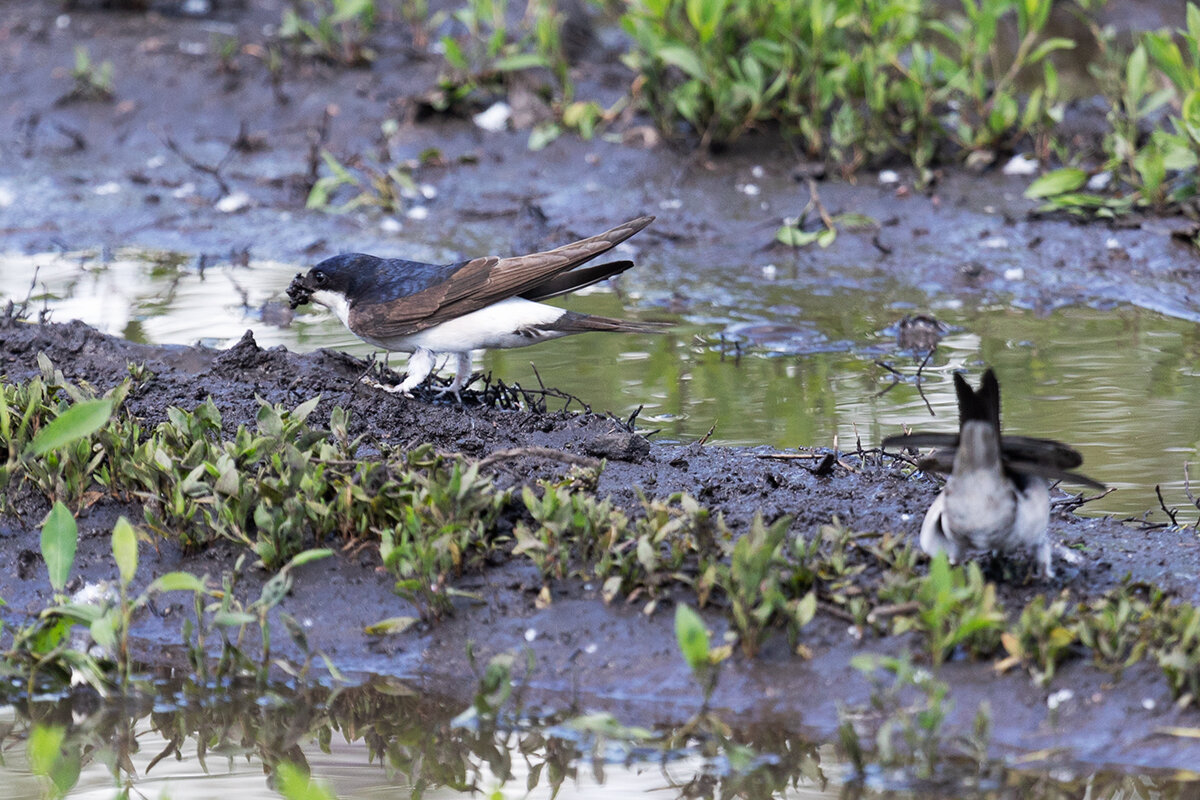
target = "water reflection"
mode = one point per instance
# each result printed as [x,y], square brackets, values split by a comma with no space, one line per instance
[784,363]
[388,739]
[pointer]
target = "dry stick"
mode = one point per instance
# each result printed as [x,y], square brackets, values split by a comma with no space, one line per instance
[921,391]
[538,452]
[895,377]
[704,438]
[815,199]
[1187,488]
[1163,505]
[1075,501]
[207,169]
[893,610]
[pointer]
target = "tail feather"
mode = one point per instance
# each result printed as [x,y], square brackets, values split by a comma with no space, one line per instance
[574,322]
[982,405]
[576,279]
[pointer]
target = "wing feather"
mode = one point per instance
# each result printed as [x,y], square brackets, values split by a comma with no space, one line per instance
[483,281]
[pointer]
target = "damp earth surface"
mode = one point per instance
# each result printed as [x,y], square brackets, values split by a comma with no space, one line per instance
[777,358]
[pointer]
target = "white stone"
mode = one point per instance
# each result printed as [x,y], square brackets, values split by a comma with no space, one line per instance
[233,203]
[1021,164]
[495,117]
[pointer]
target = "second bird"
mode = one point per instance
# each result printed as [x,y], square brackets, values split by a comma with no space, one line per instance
[996,496]
[482,303]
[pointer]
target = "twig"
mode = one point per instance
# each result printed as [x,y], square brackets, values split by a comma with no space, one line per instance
[704,438]
[1187,488]
[207,169]
[538,452]
[921,391]
[895,609]
[1163,504]
[1075,501]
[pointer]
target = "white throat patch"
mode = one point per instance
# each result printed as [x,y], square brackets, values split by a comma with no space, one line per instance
[335,302]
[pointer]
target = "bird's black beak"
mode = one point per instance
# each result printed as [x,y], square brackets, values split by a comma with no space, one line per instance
[299,292]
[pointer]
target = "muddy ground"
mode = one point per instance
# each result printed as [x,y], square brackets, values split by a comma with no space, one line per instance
[960,239]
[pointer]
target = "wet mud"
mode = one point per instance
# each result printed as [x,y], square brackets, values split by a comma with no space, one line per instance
[589,653]
[970,239]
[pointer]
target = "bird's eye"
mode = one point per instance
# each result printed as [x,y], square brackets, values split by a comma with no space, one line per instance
[320,278]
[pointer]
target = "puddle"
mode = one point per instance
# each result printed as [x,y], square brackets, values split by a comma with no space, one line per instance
[761,362]
[386,738]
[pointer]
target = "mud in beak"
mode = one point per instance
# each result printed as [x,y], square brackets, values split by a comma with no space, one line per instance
[299,293]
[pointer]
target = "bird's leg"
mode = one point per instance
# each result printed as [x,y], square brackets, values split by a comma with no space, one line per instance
[462,374]
[420,364]
[1045,557]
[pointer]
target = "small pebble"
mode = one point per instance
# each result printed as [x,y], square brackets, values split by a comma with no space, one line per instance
[1058,698]
[390,225]
[494,118]
[1099,182]
[749,189]
[112,187]
[1014,274]
[770,271]
[233,203]
[889,176]
[530,634]
[418,213]
[1021,164]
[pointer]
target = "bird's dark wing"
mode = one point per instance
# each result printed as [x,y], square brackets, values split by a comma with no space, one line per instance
[576,279]
[481,282]
[1051,473]
[1043,451]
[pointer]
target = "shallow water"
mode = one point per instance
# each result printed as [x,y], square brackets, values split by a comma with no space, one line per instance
[385,738]
[759,359]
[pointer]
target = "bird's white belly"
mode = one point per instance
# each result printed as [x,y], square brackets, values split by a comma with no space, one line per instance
[510,323]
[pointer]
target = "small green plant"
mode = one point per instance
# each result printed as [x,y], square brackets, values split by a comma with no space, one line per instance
[702,658]
[1115,626]
[388,188]
[335,30]
[1042,639]
[93,82]
[910,736]
[956,608]
[754,585]
[53,759]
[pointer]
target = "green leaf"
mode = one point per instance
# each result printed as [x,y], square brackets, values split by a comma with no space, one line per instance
[46,757]
[1190,112]
[1067,179]
[294,784]
[1049,46]
[78,421]
[794,237]
[391,626]
[125,549]
[59,537]
[176,582]
[685,59]
[518,62]
[692,637]
[300,559]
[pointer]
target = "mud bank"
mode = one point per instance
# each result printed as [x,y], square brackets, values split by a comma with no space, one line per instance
[597,655]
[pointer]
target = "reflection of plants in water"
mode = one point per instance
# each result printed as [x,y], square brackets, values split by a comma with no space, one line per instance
[909,734]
